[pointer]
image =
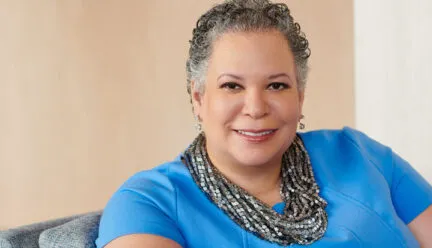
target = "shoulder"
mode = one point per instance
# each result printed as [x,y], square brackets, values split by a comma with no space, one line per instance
[164,176]
[158,184]
[349,137]
[145,204]
[356,137]
[351,144]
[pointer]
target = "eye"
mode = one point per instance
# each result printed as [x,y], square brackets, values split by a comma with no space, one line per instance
[231,86]
[278,86]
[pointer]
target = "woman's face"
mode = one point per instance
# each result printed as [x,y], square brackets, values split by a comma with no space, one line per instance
[251,104]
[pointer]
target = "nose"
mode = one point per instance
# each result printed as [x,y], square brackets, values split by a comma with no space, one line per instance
[255,104]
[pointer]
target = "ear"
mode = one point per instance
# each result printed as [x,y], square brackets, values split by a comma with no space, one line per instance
[196,99]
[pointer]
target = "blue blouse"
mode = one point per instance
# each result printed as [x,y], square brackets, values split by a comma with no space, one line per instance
[372,195]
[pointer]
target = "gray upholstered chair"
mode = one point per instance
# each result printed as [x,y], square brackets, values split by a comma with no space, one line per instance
[79,231]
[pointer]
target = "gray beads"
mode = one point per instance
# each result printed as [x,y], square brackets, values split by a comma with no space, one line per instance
[304,219]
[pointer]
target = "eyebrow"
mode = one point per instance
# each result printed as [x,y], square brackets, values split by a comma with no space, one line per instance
[240,78]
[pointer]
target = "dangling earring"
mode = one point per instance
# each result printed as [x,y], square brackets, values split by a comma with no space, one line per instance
[301,124]
[198,126]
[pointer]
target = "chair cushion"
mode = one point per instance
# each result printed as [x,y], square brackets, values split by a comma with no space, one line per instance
[77,233]
[28,236]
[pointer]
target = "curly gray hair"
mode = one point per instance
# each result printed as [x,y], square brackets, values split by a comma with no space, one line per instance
[244,16]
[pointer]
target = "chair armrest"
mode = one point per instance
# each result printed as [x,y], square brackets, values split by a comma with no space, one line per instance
[77,233]
[28,236]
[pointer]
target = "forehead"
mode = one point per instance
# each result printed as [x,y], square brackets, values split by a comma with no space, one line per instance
[246,51]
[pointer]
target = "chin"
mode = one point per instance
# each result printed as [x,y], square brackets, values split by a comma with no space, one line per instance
[258,154]
[254,158]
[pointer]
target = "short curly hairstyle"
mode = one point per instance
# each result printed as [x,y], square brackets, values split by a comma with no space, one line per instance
[244,16]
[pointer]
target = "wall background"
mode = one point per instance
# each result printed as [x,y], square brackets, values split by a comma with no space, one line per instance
[93,91]
[393,84]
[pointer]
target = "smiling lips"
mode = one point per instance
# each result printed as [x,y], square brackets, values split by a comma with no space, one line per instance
[256,136]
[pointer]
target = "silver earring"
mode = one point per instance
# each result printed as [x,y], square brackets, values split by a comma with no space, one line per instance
[198,126]
[301,124]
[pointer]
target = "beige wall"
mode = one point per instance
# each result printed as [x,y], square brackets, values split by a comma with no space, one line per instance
[93,91]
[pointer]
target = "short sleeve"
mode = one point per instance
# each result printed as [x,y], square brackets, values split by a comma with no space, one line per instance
[411,193]
[145,204]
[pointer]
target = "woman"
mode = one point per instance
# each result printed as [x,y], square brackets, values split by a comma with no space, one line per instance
[249,179]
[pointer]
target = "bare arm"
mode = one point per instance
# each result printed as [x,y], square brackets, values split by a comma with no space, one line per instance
[142,241]
[421,227]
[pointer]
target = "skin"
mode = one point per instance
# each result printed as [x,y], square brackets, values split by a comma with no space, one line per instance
[421,227]
[251,84]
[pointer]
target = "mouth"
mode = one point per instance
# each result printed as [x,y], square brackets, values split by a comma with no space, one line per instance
[256,133]
[256,136]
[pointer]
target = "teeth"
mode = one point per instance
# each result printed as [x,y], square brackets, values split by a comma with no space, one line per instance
[255,134]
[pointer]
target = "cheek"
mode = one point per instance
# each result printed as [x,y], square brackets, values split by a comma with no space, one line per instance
[287,110]
[222,108]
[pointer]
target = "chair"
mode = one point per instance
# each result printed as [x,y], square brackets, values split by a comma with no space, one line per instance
[78,231]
